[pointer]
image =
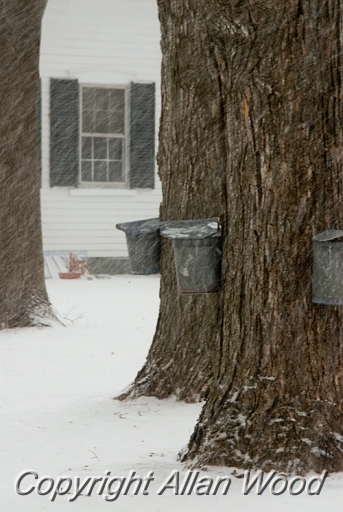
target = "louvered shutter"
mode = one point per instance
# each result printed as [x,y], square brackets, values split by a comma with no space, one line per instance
[39,113]
[142,135]
[64,132]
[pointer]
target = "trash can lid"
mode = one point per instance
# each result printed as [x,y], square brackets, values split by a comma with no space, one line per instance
[193,229]
[329,234]
[140,227]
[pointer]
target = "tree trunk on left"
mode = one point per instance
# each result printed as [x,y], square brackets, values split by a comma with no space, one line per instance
[23,296]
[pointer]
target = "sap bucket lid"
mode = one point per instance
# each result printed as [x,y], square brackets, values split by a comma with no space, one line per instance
[191,229]
[328,235]
[140,227]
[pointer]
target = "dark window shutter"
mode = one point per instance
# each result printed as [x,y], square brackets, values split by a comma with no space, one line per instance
[39,113]
[64,132]
[142,135]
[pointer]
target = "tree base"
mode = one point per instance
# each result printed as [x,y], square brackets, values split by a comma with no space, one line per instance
[276,436]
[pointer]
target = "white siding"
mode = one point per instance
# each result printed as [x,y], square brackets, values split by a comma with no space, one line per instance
[105,42]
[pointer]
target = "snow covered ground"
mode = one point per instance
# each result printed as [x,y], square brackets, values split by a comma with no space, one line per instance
[59,417]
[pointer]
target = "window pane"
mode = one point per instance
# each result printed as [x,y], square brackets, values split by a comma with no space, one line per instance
[86,171]
[100,148]
[115,149]
[101,121]
[100,170]
[86,148]
[102,99]
[117,99]
[88,98]
[117,122]
[115,172]
[117,111]
[88,121]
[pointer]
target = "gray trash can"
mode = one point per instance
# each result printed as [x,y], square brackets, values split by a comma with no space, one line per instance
[144,245]
[327,284]
[197,254]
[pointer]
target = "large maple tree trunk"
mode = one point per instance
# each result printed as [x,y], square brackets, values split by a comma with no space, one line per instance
[277,398]
[251,131]
[23,297]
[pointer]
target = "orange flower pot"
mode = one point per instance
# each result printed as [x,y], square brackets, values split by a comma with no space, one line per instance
[69,275]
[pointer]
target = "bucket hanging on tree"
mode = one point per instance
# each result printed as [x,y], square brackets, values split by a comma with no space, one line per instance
[197,254]
[327,285]
[143,244]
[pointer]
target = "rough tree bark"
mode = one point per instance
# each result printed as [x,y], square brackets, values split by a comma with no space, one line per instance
[277,397]
[191,161]
[251,131]
[22,287]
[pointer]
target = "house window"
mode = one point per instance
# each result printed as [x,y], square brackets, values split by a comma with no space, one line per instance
[103,135]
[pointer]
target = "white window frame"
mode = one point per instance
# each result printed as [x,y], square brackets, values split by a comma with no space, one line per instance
[126,157]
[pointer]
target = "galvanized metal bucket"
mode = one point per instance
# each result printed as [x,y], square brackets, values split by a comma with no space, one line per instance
[327,283]
[197,254]
[143,244]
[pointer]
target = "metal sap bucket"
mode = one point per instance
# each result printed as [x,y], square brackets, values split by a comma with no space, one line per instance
[197,254]
[327,285]
[143,244]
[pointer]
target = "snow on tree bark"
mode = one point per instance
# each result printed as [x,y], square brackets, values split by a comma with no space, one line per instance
[22,287]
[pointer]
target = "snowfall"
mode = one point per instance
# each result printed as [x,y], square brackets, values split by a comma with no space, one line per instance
[60,418]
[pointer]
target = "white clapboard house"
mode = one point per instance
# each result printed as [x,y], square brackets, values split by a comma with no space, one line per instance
[100,72]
